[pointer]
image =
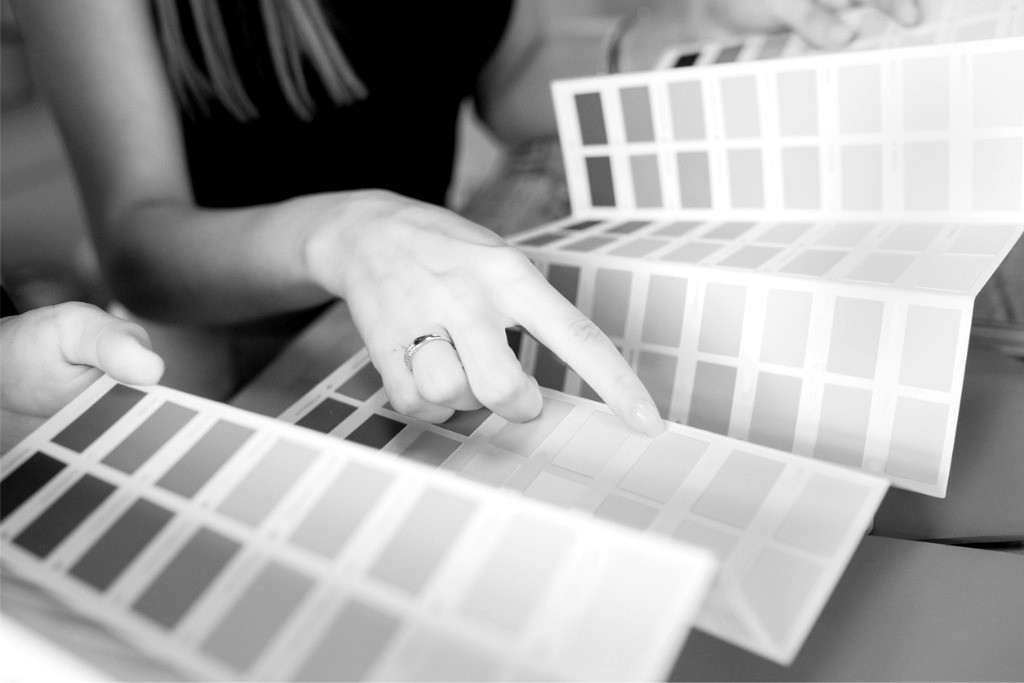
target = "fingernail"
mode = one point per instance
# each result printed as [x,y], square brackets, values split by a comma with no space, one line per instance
[141,335]
[645,419]
[839,35]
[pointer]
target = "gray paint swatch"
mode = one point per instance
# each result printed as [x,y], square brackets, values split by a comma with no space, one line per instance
[121,544]
[591,118]
[326,415]
[376,432]
[186,577]
[349,498]
[255,617]
[602,186]
[64,515]
[423,540]
[350,645]
[205,458]
[261,489]
[99,417]
[29,477]
[155,431]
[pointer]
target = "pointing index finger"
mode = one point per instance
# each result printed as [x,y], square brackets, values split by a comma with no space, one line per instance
[581,344]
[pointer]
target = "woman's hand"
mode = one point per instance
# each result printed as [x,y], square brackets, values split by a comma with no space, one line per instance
[50,354]
[410,269]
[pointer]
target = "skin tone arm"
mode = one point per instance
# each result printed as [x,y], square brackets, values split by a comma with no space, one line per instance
[100,66]
[50,354]
[405,268]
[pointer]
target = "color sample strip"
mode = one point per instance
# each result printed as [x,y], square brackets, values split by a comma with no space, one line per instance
[376,432]
[350,646]
[254,497]
[341,509]
[23,482]
[254,619]
[189,574]
[508,601]
[81,434]
[693,486]
[755,355]
[201,462]
[121,544]
[819,126]
[326,415]
[363,384]
[738,490]
[64,515]
[409,564]
[141,444]
[423,540]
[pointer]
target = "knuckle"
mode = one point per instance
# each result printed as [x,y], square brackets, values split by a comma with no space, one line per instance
[444,389]
[71,307]
[405,400]
[70,311]
[500,390]
[583,330]
[510,261]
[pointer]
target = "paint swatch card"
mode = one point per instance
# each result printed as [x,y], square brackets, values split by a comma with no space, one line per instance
[782,527]
[788,251]
[942,21]
[918,134]
[238,547]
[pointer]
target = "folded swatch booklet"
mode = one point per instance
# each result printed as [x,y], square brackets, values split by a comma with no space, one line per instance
[785,244]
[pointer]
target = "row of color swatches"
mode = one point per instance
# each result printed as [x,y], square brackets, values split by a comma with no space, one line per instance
[944,21]
[937,257]
[847,343]
[236,546]
[923,133]
[783,527]
[819,327]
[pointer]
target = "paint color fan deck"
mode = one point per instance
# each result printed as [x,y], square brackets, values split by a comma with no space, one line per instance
[786,245]
[782,527]
[787,251]
[238,547]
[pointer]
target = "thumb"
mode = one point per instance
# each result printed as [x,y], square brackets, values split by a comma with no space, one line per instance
[122,349]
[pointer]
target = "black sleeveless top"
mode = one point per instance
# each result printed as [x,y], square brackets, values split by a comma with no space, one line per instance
[418,59]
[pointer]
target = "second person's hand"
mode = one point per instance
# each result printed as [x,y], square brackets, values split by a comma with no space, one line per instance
[819,22]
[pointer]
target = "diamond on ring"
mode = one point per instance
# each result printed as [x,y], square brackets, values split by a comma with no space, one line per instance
[420,342]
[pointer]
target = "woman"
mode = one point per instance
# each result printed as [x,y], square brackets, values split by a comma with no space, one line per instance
[244,161]
[189,229]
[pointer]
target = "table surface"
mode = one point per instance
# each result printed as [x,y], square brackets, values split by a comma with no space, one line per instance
[903,611]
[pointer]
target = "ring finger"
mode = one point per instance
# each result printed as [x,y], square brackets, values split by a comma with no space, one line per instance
[440,377]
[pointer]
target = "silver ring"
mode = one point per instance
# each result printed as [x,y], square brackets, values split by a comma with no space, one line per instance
[420,342]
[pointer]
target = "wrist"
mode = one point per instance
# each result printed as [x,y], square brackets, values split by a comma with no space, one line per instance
[331,242]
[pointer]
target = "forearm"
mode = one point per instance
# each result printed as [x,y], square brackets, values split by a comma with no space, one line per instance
[172,261]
